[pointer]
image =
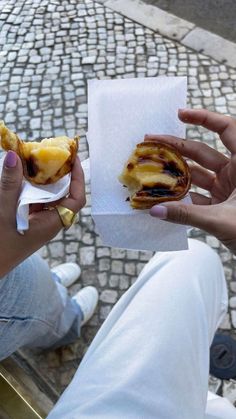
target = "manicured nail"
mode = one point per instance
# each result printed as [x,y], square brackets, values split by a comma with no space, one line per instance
[182,115]
[10,159]
[183,111]
[159,211]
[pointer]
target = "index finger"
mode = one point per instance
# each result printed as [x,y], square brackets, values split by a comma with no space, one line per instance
[76,199]
[195,150]
[223,125]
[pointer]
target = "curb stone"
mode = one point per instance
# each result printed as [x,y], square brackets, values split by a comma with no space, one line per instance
[173,27]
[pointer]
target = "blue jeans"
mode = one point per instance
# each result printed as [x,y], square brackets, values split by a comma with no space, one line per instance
[35,310]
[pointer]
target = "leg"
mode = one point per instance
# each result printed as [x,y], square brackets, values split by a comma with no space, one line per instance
[150,359]
[34,309]
[219,408]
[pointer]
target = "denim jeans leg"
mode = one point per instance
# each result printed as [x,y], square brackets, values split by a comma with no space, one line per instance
[35,311]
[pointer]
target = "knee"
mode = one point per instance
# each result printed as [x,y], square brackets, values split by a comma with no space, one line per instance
[199,261]
[22,287]
[201,253]
[26,273]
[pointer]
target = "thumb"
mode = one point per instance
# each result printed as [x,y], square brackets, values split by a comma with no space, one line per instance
[10,183]
[200,216]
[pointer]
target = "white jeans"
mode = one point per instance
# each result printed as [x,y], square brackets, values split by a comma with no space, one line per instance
[150,359]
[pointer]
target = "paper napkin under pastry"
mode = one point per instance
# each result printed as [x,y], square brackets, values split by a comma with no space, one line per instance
[39,194]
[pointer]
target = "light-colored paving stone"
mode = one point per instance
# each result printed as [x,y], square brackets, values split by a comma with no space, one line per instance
[212,45]
[229,390]
[152,17]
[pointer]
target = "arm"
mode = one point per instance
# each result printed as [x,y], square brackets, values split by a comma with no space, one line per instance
[211,171]
[44,225]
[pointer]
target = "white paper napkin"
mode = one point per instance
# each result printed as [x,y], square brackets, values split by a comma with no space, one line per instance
[39,194]
[120,113]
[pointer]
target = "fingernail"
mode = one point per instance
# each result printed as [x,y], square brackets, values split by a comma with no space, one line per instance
[184,117]
[10,159]
[182,110]
[159,211]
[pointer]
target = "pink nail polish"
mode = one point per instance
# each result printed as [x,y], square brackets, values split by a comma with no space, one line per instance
[159,211]
[10,159]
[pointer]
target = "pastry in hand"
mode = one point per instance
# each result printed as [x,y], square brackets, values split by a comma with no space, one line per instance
[155,173]
[43,162]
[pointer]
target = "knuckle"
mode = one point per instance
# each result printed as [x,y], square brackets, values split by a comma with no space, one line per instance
[182,214]
[7,182]
[83,201]
[2,215]
[7,218]
[81,204]
[233,122]
[231,119]
[230,122]
[202,148]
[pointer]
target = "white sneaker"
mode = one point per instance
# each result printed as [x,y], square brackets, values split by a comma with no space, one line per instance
[67,273]
[87,299]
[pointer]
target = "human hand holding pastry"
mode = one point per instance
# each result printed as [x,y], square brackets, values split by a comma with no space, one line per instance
[43,224]
[213,172]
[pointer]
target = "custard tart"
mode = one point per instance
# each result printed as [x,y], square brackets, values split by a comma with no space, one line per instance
[43,162]
[155,173]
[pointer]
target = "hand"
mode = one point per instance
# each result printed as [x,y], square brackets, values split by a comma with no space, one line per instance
[214,172]
[43,225]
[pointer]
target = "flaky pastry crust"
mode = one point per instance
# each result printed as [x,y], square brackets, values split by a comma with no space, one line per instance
[43,162]
[155,173]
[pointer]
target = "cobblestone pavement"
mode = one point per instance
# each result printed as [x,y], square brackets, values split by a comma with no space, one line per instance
[48,51]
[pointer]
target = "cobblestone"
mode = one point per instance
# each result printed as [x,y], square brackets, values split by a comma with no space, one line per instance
[232,302]
[109,296]
[233,316]
[226,324]
[87,255]
[44,70]
[229,390]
